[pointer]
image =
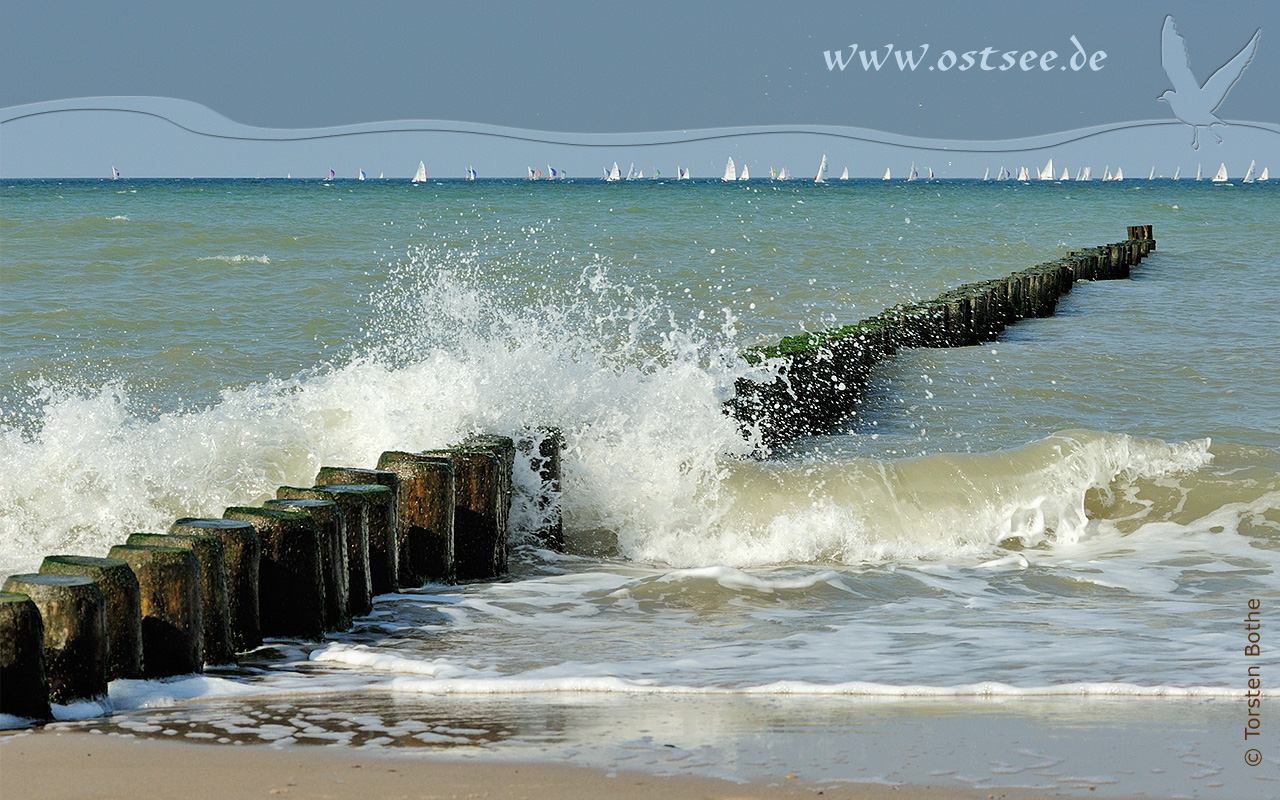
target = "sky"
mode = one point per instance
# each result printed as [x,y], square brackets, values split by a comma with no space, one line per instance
[583,67]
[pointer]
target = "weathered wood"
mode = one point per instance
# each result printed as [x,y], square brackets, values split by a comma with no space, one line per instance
[123,607]
[291,600]
[242,552]
[543,448]
[172,627]
[426,513]
[387,543]
[215,610]
[74,613]
[480,542]
[331,526]
[821,376]
[24,684]
[353,502]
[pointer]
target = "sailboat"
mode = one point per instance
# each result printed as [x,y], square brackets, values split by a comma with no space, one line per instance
[911,174]
[1248,176]
[783,174]
[421,174]
[631,171]
[640,175]
[1152,176]
[1088,174]
[380,176]
[1023,174]
[115,173]
[886,175]
[1197,172]
[681,174]
[844,176]
[361,174]
[614,174]
[745,176]
[822,171]
[529,177]
[1177,171]
[1066,176]
[930,173]
[1000,175]
[1119,176]
[987,174]
[1221,177]
[471,174]
[332,174]
[1263,176]
[1106,173]
[1046,174]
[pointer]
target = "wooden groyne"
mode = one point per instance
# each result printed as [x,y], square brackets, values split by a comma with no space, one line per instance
[823,375]
[299,566]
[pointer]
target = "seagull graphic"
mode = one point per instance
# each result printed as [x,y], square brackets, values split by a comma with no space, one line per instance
[1192,103]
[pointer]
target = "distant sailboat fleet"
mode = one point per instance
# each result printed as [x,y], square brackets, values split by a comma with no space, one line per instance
[732,172]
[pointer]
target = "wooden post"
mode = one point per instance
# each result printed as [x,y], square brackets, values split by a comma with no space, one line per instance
[504,447]
[543,447]
[24,685]
[387,543]
[123,607]
[353,503]
[291,598]
[172,628]
[480,547]
[242,551]
[74,614]
[426,513]
[331,525]
[215,611]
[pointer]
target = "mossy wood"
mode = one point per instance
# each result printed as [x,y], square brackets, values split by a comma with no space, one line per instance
[291,599]
[24,684]
[172,620]
[124,607]
[74,613]
[215,611]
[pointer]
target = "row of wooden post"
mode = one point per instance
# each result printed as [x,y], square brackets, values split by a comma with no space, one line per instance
[308,562]
[823,375]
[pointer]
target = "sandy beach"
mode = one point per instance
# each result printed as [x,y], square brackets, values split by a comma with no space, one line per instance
[52,766]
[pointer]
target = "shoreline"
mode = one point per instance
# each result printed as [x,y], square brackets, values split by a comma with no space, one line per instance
[57,764]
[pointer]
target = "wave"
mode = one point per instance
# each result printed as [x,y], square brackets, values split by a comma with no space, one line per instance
[238,259]
[654,470]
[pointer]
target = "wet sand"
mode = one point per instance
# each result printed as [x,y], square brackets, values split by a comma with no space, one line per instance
[55,765]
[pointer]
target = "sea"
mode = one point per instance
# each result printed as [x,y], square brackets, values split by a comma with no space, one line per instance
[1026,563]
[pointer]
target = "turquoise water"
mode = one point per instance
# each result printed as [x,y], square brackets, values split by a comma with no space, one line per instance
[1081,508]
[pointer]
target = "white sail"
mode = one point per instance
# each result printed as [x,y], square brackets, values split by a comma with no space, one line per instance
[844,176]
[471,174]
[930,173]
[1023,174]
[1248,176]
[1088,173]
[631,171]
[746,175]
[640,175]
[1197,172]
[421,174]
[822,171]
[782,174]
[911,173]
[730,171]
[886,175]
[1066,176]
[987,174]
[380,176]
[1119,176]
[115,173]
[1263,176]
[1177,171]
[614,174]
[361,174]
[1152,176]
[1221,177]
[1046,174]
